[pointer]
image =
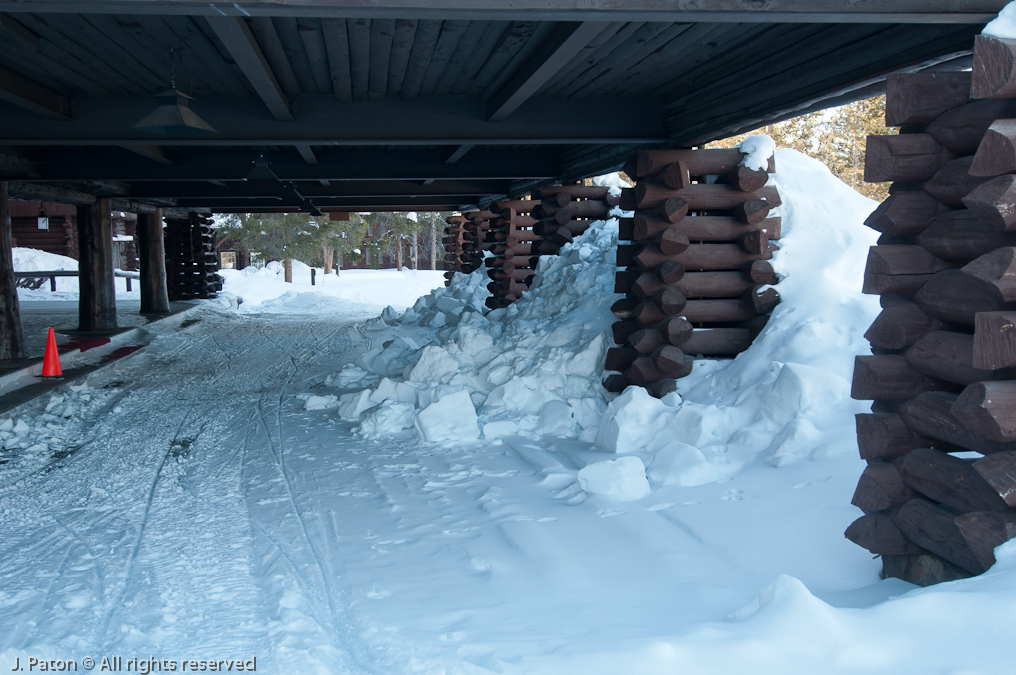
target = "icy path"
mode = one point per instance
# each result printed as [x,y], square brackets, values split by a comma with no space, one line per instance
[198,511]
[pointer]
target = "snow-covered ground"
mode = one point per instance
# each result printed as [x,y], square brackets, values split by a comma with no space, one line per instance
[449,491]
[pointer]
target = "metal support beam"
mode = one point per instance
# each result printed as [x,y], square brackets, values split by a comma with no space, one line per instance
[29,95]
[307,153]
[236,35]
[565,42]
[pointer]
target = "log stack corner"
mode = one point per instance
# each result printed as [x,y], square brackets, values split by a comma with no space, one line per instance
[939,491]
[695,270]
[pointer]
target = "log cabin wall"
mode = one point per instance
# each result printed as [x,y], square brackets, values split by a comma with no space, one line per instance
[695,272]
[62,236]
[939,493]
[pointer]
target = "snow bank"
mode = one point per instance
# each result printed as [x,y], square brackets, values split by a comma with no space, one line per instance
[1004,26]
[264,290]
[33,260]
[534,368]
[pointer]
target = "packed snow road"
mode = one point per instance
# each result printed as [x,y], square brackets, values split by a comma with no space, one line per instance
[184,504]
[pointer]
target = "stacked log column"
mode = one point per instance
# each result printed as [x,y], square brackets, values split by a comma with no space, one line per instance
[939,490]
[190,258]
[527,229]
[695,274]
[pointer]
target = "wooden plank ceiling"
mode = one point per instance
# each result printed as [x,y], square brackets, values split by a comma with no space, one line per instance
[437,105]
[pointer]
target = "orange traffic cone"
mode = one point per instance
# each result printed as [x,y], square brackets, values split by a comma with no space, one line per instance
[51,360]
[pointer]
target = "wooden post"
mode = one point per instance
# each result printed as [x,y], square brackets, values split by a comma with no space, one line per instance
[12,339]
[97,303]
[152,254]
[287,270]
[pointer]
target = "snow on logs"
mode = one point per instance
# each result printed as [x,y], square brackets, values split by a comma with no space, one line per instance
[942,376]
[521,230]
[695,274]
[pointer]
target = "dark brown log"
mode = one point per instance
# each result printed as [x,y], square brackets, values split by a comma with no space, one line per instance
[670,272]
[12,338]
[956,296]
[745,179]
[645,227]
[961,130]
[948,480]
[953,182]
[899,269]
[661,388]
[672,242]
[886,435]
[643,371]
[517,205]
[717,341]
[676,329]
[985,531]
[961,236]
[999,471]
[624,308]
[996,155]
[646,340]
[587,208]
[575,191]
[671,361]
[997,268]
[717,311]
[881,488]
[761,301]
[705,196]
[752,211]
[627,202]
[934,528]
[905,213]
[670,301]
[700,284]
[993,202]
[755,242]
[622,329]
[760,271]
[903,157]
[994,340]
[620,358]
[930,414]
[152,261]
[518,274]
[947,356]
[97,300]
[677,176]
[695,257]
[988,409]
[889,378]
[878,533]
[704,162]
[615,383]
[920,98]
[672,210]
[900,325]
[623,279]
[994,66]
[626,230]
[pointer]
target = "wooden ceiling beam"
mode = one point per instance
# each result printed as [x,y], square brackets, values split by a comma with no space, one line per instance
[32,96]
[273,190]
[241,44]
[324,120]
[737,11]
[567,40]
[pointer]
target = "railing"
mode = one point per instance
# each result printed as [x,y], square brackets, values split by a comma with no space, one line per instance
[33,280]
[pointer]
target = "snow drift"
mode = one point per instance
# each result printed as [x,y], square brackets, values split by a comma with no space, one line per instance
[534,368]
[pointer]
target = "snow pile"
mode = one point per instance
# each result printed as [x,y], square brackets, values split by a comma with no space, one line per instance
[264,290]
[1004,26]
[534,368]
[757,151]
[34,260]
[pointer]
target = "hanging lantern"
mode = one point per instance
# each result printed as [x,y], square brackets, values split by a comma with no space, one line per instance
[174,116]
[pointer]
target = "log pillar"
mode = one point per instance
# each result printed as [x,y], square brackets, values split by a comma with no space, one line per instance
[97,303]
[12,339]
[152,259]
